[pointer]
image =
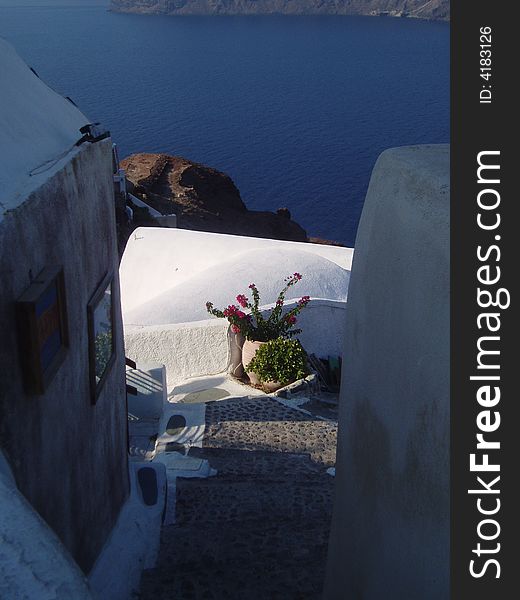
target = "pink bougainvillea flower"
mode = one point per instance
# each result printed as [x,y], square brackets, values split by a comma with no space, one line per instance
[230,310]
[255,326]
[242,300]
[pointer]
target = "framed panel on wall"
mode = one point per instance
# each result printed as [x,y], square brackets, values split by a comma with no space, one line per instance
[43,333]
[101,340]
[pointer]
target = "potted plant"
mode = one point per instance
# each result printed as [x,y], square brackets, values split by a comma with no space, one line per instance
[258,328]
[279,362]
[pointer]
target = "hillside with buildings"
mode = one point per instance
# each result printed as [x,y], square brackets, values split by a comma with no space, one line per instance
[432,9]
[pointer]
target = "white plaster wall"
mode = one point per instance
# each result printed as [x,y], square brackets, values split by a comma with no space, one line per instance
[187,350]
[323,325]
[202,347]
[33,562]
[133,544]
[69,221]
[390,528]
[68,456]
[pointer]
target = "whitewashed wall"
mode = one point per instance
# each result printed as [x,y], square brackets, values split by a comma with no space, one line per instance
[390,528]
[203,347]
[186,350]
[68,456]
[168,275]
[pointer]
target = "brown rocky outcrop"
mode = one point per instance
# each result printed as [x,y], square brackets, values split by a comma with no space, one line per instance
[203,198]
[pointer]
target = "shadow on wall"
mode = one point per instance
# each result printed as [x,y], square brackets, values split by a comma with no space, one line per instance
[390,531]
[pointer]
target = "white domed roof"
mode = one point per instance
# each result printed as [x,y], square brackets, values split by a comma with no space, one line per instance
[220,284]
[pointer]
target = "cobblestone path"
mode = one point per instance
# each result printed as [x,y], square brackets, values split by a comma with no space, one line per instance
[259,529]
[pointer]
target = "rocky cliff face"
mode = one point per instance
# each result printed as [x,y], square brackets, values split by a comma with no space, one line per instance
[203,199]
[432,9]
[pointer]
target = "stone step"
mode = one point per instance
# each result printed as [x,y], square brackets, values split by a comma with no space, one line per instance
[255,464]
[225,499]
[150,382]
[259,529]
[245,580]
[264,538]
[273,575]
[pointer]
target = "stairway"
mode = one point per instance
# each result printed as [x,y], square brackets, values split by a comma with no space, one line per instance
[256,531]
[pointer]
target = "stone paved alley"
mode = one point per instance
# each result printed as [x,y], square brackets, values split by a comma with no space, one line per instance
[258,530]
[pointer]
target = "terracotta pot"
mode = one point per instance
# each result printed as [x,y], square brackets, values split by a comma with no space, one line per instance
[271,386]
[236,341]
[248,351]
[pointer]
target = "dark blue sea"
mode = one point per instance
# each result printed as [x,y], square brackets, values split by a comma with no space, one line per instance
[295,109]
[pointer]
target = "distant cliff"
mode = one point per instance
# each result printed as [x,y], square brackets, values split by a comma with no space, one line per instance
[432,9]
